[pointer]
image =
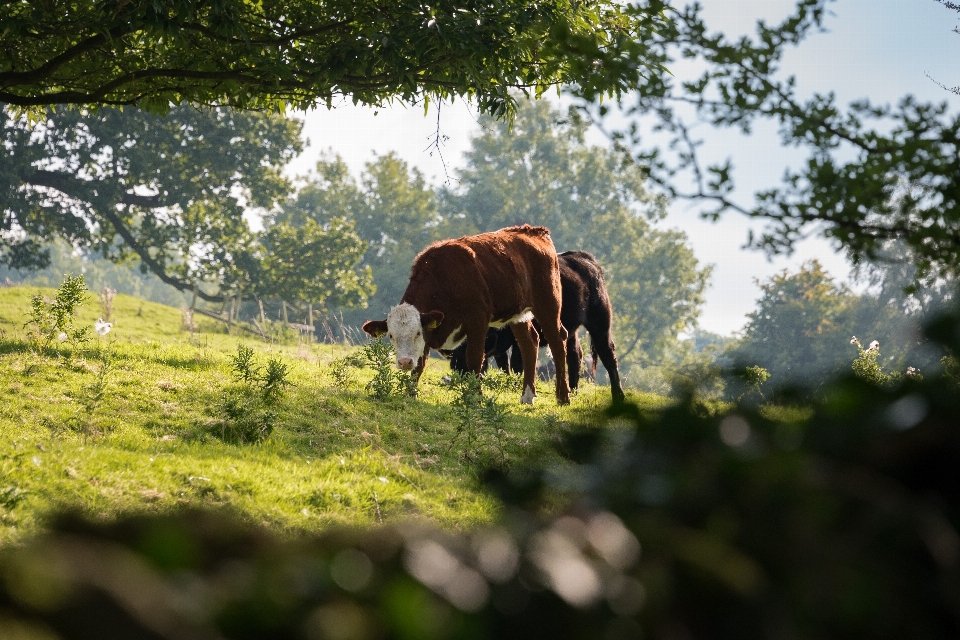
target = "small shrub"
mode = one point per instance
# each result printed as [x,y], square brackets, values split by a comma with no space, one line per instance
[53,320]
[244,368]
[341,371]
[753,379]
[867,368]
[481,424]
[274,380]
[245,419]
[387,381]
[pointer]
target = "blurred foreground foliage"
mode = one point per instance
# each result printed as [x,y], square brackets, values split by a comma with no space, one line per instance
[832,520]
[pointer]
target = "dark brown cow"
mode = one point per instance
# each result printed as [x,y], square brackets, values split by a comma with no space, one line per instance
[460,288]
[584,303]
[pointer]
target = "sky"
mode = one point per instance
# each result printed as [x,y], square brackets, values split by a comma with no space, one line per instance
[876,49]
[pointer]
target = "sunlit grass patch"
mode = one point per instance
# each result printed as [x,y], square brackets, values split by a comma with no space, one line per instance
[151,418]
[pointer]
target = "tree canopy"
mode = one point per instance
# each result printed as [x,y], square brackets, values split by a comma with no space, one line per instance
[172,193]
[307,52]
[874,173]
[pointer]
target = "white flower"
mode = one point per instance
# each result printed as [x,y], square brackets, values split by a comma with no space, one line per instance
[854,340]
[912,372]
[874,346]
[62,337]
[101,327]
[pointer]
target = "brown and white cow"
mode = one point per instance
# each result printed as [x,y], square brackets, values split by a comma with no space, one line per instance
[459,288]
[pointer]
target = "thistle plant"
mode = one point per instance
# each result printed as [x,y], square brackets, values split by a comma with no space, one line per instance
[274,380]
[481,423]
[248,408]
[93,395]
[53,321]
[106,303]
[243,365]
[269,381]
[379,356]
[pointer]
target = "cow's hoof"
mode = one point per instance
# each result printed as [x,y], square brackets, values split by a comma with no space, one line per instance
[528,395]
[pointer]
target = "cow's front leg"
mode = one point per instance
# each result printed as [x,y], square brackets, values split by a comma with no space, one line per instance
[529,343]
[418,370]
[476,341]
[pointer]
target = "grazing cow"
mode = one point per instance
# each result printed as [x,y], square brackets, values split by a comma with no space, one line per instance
[585,303]
[460,288]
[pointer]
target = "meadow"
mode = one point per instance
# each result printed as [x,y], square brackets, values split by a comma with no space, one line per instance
[153,417]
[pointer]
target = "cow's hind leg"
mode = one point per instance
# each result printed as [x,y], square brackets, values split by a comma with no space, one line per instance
[602,345]
[556,337]
[528,343]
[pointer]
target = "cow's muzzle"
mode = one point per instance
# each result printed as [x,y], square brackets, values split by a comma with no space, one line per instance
[405,363]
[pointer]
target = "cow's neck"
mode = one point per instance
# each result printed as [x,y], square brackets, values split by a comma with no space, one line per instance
[441,336]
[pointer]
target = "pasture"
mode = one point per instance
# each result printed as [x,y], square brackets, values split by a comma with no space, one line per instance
[151,418]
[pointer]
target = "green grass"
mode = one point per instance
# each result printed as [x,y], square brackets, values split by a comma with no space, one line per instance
[156,434]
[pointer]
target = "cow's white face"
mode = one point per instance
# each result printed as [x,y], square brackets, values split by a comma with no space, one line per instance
[405,331]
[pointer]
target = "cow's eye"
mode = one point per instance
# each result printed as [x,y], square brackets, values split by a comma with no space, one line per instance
[418,334]
[390,335]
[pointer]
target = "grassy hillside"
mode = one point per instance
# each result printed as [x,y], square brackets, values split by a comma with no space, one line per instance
[152,418]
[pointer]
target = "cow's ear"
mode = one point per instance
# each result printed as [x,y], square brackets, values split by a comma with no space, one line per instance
[431,320]
[375,328]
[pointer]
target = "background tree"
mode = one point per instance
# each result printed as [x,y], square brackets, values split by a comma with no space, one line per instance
[314,264]
[305,52]
[171,191]
[98,272]
[541,171]
[801,327]
[393,211]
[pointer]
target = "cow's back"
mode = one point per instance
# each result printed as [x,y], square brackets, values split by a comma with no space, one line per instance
[492,272]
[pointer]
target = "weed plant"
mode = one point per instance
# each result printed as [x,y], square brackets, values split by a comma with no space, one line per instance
[481,436]
[93,396]
[378,356]
[248,408]
[53,321]
[866,367]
